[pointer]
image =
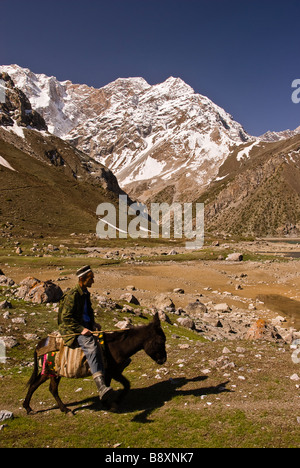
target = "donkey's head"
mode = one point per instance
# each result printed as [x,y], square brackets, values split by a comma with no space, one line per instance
[155,342]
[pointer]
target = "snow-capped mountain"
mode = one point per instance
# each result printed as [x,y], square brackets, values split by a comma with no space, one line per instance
[153,138]
[50,186]
[277,136]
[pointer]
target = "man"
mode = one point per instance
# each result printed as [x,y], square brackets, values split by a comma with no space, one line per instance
[76,317]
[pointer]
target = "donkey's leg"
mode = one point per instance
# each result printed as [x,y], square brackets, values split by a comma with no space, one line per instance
[126,384]
[54,381]
[33,387]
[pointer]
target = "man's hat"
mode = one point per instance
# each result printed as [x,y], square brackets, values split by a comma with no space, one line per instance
[83,271]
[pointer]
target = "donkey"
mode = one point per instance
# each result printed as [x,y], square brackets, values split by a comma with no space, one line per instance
[120,346]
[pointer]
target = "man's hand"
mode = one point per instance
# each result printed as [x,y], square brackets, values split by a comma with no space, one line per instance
[86,332]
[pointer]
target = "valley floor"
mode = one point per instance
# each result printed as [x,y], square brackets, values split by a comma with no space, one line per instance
[235,393]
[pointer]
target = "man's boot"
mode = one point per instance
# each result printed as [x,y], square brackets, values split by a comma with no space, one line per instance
[104,391]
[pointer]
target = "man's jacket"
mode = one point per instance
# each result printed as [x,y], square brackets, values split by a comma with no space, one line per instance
[70,315]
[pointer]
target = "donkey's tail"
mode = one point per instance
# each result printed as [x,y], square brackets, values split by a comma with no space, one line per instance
[35,370]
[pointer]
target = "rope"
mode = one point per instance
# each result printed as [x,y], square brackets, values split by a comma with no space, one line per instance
[93,333]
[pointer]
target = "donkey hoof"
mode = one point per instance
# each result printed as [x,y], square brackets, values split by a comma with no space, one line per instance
[30,411]
[114,407]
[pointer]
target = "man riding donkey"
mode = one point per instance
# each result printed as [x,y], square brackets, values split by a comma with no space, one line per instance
[77,324]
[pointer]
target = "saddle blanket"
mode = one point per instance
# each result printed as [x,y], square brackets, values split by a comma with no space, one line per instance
[68,362]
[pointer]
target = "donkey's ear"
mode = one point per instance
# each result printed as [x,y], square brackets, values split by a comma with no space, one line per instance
[156,320]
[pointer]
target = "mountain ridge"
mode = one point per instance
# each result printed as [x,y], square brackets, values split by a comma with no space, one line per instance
[47,185]
[150,136]
[165,143]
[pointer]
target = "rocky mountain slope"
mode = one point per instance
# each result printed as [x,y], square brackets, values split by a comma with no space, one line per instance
[165,143]
[151,137]
[257,191]
[46,184]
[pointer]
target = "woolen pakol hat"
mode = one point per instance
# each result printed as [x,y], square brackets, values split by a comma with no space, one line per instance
[83,271]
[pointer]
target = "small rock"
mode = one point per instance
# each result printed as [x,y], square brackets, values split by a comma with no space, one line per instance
[5,305]
[235,257]
[126,323]
[163,316]
[9,341]
[295,377]
[31,337]
[178,291]
[186,322]
[4,415]
[19,320]
[130,298]
[196,308]
[222,308]
[226,350]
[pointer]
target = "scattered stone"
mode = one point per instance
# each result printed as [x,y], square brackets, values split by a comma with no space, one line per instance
[20,320]
[186,322]
[262,330]
[163,316]
[4,280]
[9,341]
[162,302]
[4,415]
[126,323]
[295,377]
[178,291]
[224,308]
[130,298]
[31,337]
[196,309]
[226,350]
[5,305]
[40,292]
[235,257]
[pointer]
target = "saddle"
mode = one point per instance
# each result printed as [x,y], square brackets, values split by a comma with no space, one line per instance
[62,361]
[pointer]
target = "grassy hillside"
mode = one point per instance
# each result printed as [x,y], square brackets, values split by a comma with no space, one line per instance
[43,198]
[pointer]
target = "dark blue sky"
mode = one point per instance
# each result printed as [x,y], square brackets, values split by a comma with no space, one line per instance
[242,54]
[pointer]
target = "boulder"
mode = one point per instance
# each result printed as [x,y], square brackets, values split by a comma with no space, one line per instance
[261,330]
[163,302]
[126,323]
[196,309]
[178,291]
[9,341]
[130,298]
[4,415]
[186,322]
[4,280]
[40,292]
[224,308]
[235,257]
